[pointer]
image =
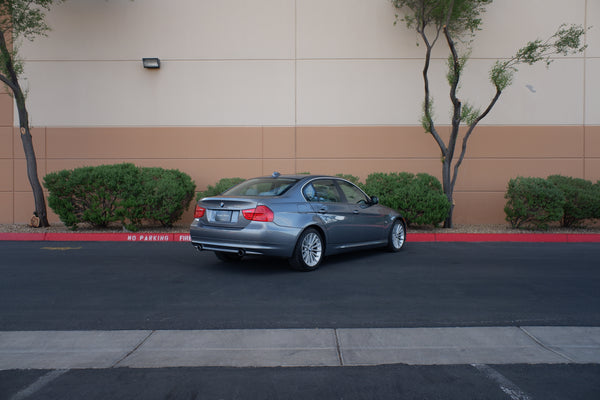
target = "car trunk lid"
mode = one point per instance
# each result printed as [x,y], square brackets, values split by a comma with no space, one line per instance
[226,212]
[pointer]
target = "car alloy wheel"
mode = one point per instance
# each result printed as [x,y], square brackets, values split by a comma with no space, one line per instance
[308,252]
[311,249]
[397,236]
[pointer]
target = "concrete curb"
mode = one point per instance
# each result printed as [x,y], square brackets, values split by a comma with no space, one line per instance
[412,237]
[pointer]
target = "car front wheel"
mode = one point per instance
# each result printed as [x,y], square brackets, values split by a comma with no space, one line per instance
[397,236]
[308,252]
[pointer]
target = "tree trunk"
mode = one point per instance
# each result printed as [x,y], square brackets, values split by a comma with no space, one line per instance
[32,175]
[12,81]
[38,193]
[448,190]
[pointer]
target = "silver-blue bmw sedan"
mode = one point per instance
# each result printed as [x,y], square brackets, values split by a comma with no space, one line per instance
[299,217]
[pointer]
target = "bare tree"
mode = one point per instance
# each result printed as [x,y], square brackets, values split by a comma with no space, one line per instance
[457,21]
[23,19]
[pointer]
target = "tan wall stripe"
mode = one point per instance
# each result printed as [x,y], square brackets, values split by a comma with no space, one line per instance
[207,154]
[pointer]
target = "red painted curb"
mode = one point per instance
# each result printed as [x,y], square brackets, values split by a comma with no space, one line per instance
[22,236]
[421,237]
[97,237]
[412,237]
[501,237]
[505,237]
[583,238]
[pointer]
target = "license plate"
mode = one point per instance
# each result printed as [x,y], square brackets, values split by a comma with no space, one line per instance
[223,216]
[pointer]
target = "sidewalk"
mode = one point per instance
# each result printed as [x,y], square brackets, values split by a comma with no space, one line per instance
[298,347]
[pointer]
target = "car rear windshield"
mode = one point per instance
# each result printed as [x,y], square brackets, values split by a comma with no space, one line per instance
[262,187]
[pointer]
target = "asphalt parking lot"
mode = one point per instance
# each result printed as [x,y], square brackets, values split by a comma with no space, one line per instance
[453,382]
[425,323]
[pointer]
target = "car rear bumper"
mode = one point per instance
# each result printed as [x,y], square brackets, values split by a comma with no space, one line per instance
[261,238]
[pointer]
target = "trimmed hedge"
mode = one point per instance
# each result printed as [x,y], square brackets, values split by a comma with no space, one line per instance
[582,199]
[536,202]
[166,194]
[119,193]
[419,198]
[533,202]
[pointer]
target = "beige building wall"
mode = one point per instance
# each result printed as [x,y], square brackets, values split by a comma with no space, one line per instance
[325,86]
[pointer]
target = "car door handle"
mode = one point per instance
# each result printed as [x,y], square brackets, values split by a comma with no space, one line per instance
[355,212]
[323,210]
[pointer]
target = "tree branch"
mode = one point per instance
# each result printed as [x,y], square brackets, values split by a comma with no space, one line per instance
[8,65]
[7,82]
[470,131]
[427,103]
[456,103]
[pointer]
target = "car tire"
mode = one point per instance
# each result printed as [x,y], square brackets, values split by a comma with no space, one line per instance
[309,251]
[397,236]
[228,257]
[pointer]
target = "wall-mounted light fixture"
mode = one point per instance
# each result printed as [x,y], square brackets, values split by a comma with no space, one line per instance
[152,63]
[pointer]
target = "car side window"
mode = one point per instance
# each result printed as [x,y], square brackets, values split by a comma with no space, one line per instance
[322,191]
[353,194]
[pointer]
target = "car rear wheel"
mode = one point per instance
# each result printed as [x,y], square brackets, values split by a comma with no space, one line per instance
[397,236]
[308,252]
[228,257]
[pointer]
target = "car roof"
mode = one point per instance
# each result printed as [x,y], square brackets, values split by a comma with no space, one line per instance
[300,176]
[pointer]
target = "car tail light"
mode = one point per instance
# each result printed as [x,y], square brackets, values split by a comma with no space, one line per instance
[199,213]
[260,213]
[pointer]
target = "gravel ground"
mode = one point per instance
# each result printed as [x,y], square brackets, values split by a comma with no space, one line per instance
[483,228]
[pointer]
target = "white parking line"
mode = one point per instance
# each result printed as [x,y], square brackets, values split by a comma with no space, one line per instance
[38,384]
[512,390]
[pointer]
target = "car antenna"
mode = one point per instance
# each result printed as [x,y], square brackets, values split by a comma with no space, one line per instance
[275,174]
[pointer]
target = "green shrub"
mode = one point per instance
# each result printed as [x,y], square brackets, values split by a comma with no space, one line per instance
[582,199]
[96,195]
[122,192]
[388,187]
[219,187]
[533,202]
[166,194]
[419,198]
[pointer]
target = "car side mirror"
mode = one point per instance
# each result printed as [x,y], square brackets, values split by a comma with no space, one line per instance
[374,200]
